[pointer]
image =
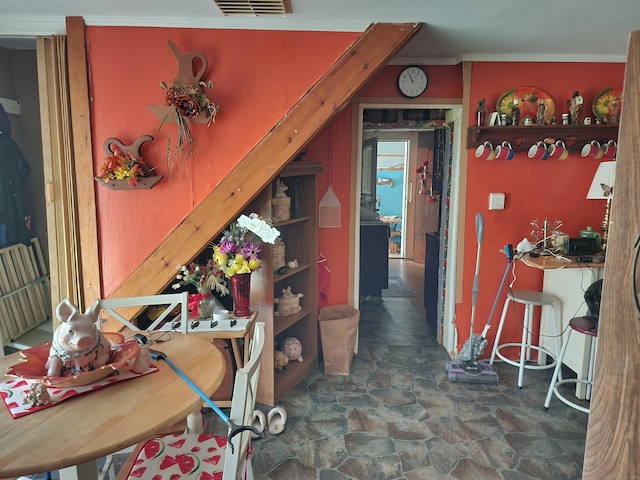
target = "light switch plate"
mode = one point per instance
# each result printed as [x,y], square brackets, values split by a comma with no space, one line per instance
[496,201]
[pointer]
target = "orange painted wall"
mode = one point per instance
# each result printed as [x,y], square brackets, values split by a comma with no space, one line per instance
[257,76]
[534,189]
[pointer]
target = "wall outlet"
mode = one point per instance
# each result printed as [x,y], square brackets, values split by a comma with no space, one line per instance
[496,201]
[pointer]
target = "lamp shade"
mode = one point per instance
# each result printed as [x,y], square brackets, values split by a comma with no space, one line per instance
[602,184]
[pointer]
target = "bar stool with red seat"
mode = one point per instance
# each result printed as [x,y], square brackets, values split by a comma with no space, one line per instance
[585,326]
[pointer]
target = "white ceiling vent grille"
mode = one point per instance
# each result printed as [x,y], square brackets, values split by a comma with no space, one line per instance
[254,7]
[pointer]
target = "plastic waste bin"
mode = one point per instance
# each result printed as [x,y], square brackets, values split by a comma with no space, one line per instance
[338,331]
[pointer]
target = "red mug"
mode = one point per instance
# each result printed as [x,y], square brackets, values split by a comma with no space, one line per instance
[504,151]
[609,149]
[592,150]
[558,151]
[485,151]
[539,151]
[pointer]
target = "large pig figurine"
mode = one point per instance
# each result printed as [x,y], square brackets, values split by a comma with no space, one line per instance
[77,346]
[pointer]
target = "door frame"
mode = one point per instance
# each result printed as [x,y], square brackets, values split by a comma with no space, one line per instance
[454,114]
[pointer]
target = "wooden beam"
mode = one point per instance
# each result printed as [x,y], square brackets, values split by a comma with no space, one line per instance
[613,435]
[324,100]
[83,161]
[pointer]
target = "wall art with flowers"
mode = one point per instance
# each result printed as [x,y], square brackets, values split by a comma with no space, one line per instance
[185,103]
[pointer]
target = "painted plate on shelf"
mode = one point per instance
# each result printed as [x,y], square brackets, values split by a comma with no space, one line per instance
[604,100]
[528,100]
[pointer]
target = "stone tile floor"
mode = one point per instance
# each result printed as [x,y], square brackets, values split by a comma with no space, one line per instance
[398,417]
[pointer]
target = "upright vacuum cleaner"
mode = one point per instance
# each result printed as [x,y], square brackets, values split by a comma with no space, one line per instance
[467,367]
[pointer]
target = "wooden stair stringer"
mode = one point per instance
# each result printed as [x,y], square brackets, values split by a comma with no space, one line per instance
[318,106]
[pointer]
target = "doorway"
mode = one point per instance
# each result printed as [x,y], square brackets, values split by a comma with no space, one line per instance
[447,248]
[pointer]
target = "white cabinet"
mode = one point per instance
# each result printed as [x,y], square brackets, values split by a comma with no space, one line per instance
[568,285]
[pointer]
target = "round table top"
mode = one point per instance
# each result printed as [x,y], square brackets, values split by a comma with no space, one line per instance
[95,424]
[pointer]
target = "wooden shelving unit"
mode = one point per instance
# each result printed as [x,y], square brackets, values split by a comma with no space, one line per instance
[523,137]
[299,234]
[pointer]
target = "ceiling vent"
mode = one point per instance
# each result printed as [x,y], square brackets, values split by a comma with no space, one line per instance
[254,7]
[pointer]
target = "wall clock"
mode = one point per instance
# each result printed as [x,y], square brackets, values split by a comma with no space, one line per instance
[412,81]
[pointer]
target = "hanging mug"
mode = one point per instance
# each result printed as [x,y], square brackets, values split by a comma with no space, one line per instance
[504,151]
[539,151]
[558,151]
[486,151]
[609,149]
[592,150]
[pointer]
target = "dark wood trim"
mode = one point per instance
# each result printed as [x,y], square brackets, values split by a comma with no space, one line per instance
[324,100]
[613,436]
[83,159]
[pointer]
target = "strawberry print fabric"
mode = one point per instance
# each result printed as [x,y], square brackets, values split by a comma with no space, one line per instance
[181,455]
[14,392]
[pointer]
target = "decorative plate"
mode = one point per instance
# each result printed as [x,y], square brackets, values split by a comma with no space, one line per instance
[602,102]
[32,365]
[528,99]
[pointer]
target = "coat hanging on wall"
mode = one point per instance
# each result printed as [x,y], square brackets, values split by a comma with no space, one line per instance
[14,211]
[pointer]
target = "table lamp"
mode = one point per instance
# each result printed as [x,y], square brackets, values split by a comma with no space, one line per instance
[602,188]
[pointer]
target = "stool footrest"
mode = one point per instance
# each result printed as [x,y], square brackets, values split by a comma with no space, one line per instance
[516,363]
[564,399]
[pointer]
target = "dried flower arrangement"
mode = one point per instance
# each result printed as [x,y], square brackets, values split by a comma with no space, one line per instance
[185,102]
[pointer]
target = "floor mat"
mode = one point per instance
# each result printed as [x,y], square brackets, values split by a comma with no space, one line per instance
[397,289]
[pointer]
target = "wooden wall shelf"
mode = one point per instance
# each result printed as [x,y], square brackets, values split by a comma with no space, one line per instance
[522,137]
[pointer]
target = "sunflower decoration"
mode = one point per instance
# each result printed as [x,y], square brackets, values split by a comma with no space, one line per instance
[607,104]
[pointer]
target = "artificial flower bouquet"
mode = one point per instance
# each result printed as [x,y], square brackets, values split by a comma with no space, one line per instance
[123,166]
[237,251]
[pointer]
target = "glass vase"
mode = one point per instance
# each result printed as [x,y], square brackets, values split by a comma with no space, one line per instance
[241,293]
[206,306]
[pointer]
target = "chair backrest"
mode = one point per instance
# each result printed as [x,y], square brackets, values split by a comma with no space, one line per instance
[169,300]
[243,404]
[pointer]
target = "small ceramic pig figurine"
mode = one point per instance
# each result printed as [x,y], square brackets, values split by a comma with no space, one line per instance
[292,348]
[77,346]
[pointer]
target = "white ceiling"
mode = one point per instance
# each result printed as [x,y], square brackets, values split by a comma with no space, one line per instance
[454,30]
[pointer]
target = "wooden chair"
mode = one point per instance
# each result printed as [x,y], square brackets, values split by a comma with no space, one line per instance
[175,454]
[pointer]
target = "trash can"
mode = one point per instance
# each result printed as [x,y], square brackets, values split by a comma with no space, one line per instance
[338,331]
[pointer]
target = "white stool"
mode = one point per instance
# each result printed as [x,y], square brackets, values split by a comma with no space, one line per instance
[586,326]
[530,299]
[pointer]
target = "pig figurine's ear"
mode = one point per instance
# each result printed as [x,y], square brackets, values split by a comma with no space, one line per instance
[66,310]
[94,309]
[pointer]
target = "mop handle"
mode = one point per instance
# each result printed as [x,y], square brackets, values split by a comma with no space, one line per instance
[155,354]
[509,251]
[479,236]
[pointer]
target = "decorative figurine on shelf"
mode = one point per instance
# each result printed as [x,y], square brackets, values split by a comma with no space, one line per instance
[281,203]
[78,346]
[292,348]
[288,303]
[292,263]
[280,360]
[575,108]
[515,113]
[540,114]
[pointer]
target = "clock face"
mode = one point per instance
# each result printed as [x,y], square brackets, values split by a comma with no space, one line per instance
[412,82]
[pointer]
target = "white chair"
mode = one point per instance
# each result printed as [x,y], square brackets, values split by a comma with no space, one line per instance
[169,300]
[234,463]
[116,308]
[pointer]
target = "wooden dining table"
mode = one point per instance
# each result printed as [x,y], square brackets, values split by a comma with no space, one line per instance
[72,435]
